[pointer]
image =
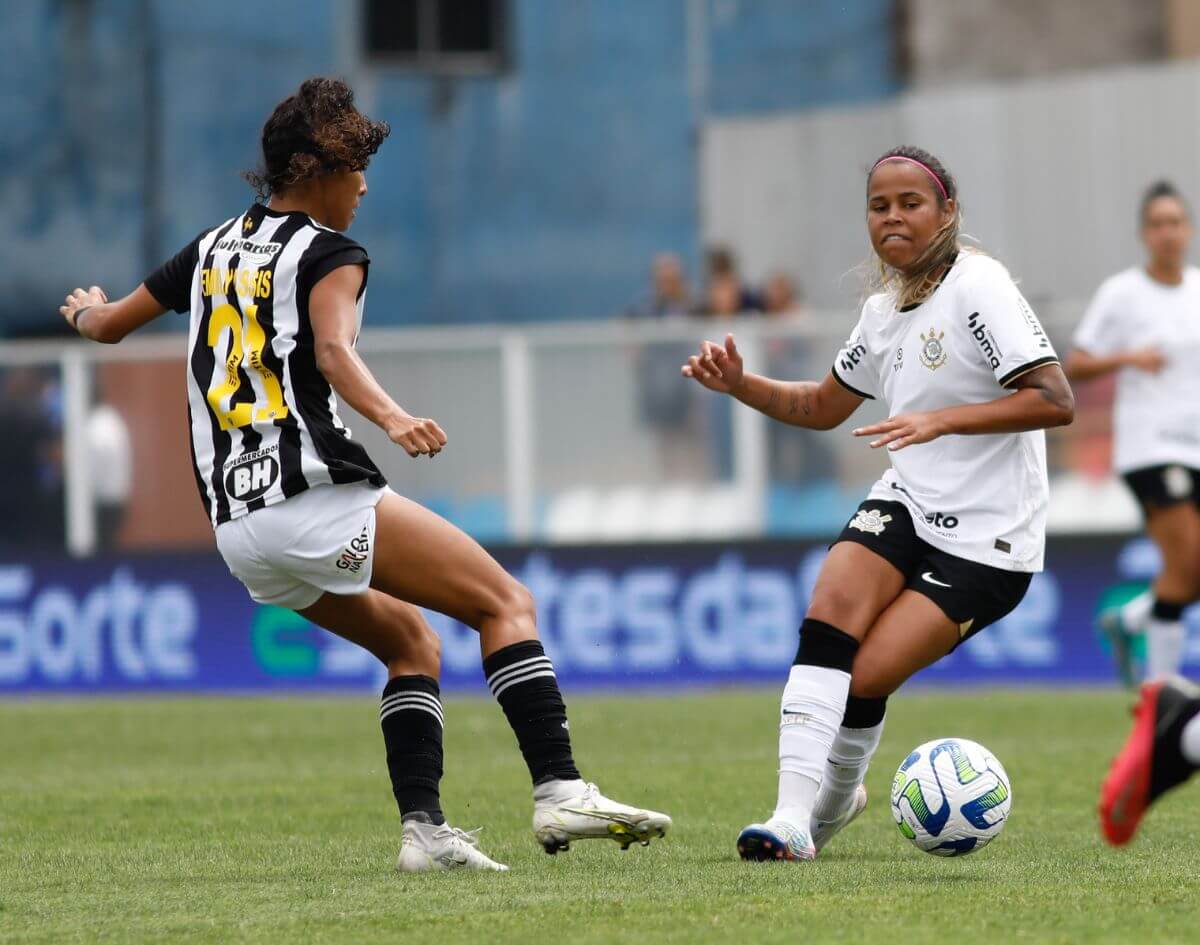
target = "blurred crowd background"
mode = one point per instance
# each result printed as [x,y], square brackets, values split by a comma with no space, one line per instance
[574,193]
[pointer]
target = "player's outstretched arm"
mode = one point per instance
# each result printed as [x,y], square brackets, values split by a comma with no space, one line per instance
[1042,399]
[817,405]
[1084,366]
[96,318]
[333,310]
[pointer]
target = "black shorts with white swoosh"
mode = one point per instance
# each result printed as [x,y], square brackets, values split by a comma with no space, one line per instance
[973,595]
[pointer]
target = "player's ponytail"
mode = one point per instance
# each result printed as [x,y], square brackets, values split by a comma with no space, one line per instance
[919,282]
[316,131]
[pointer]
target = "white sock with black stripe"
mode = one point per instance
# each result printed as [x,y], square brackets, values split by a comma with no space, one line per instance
[410,715]
[522,679]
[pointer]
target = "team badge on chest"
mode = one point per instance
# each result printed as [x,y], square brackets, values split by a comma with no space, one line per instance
[933,352]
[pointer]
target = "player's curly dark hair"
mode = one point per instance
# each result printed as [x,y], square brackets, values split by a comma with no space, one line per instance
[316,131]
[919,282]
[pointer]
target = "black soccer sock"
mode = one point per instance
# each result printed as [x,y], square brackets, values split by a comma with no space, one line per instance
[864,713]
[411,717]
[1170,766]
[522,679]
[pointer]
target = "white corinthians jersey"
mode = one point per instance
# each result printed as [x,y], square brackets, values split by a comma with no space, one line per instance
[263,419]
[979,497]
[1156,416]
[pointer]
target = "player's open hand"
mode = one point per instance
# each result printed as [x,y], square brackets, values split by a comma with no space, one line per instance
[419,436]
[1150,360]
[715,367]
[80,299]
[904,430]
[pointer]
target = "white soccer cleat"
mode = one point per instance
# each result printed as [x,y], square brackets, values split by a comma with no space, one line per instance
[589,815]
[823,830]
[776,840]
[427,848]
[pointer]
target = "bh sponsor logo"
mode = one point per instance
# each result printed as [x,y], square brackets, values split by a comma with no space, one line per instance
[252,476]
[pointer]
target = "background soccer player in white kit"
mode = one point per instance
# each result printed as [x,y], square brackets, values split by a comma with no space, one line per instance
[303,516]
[950,536]
[1144,324]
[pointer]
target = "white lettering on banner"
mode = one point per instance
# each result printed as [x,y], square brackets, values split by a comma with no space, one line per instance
[56,635]
[708,615]
[647,614]
[728,617]
[771,619]
[587,621]
[340,657]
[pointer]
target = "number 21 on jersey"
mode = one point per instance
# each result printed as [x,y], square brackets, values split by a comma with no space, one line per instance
[245,348]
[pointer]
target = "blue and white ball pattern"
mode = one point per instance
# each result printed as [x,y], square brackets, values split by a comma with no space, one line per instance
[951,797]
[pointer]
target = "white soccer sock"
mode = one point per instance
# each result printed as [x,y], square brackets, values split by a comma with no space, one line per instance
[1164,647]
[1189,741]
[1135,612]
[558,791]
[814,700]
[845,770]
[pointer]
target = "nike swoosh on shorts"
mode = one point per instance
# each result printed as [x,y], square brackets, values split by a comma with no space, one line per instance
[928,576]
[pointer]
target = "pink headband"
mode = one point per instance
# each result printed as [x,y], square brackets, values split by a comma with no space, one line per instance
[926,168]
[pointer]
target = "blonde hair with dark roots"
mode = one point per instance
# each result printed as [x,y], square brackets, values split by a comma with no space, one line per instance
[315,132]
[918,284]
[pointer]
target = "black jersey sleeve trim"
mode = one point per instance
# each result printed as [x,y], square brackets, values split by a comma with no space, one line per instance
[1026,368]
[850,387]
[350,256]
[171,283]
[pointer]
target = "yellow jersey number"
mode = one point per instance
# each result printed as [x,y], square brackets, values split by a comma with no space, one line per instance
[244,347]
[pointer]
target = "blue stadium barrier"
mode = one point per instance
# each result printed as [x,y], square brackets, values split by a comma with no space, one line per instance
[644,616]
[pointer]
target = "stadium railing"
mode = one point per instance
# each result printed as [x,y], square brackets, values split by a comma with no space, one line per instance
[561,432]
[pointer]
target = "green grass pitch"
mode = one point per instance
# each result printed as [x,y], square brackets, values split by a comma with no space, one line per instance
[271,821]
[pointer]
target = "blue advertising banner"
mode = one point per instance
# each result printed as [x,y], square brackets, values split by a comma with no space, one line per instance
[611,616]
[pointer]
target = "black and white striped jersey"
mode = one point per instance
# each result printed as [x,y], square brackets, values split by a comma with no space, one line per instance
[264,421]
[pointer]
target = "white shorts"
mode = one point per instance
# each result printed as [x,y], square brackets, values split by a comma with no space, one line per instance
[321,540]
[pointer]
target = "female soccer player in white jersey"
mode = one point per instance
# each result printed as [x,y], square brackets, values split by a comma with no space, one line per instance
[947,541]
[1144,324]
[303,516]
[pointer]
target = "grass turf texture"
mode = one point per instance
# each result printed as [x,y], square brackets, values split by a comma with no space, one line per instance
[272,821]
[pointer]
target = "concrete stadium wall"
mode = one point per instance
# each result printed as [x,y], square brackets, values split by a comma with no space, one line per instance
[1050,173]
[539,192]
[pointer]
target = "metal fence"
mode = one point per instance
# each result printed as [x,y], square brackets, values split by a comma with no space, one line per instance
[558,434]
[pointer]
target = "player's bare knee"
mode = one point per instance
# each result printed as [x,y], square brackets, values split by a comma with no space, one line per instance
[517,603]
[835,605]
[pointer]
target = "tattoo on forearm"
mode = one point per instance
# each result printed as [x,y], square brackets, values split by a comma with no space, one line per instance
[793,402]
[771,400]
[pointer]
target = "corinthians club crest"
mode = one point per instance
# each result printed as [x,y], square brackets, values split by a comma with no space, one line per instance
[933,352]
[870,520]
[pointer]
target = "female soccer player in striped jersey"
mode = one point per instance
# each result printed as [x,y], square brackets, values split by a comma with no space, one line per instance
[1144,324]
[948,540]
[302,515]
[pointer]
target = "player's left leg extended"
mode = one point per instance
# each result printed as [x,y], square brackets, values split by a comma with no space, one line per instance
[423,559]
[410,715]
[855,585]
[1161,752]
[911,634]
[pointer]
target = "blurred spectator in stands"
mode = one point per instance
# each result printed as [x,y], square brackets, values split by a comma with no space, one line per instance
[781,298]
[31,489]
[668,408]
[725,292]
[110,458]
[797,456]
[669,293]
